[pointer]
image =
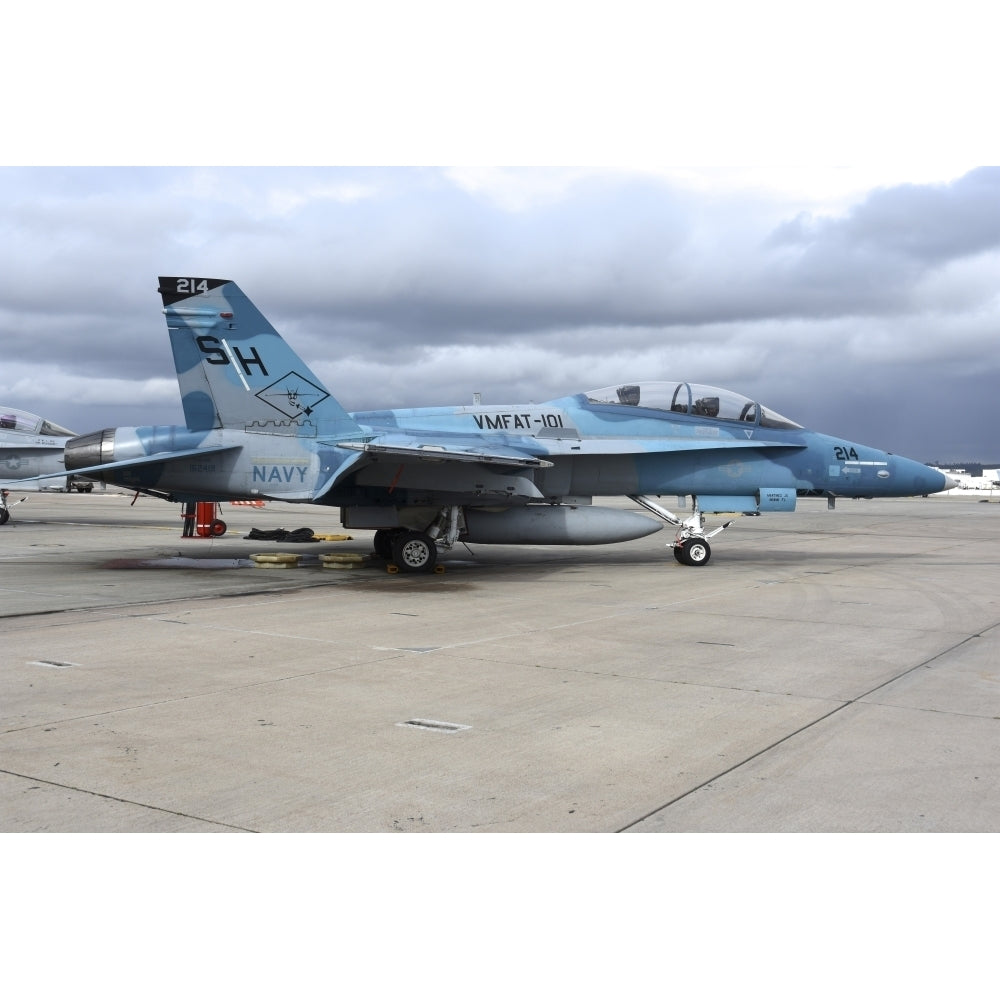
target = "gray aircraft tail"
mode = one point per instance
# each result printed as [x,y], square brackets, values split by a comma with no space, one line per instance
[235,370]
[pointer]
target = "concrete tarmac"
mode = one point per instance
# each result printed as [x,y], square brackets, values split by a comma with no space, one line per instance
[827,671]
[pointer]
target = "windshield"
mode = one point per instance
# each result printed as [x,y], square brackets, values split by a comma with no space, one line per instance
[687,397]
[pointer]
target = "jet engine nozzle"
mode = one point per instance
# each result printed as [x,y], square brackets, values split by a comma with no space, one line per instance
[90,449]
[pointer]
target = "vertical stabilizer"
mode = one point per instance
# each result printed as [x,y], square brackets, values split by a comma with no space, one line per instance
[234,369]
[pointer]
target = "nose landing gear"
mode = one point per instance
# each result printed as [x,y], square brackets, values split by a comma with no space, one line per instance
[5,507]
[690,544]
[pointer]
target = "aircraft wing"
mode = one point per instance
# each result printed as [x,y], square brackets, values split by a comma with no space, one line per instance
[443,453]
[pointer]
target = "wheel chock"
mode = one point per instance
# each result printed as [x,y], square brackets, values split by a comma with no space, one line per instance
[276,560]
[342,560]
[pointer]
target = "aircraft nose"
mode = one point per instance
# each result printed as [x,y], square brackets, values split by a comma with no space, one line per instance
[916,479]
[934,480]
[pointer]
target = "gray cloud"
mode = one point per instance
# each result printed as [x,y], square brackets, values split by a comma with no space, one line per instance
[418,286]
[873,260]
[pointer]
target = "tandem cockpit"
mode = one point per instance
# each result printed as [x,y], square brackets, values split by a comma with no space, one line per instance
[694,400]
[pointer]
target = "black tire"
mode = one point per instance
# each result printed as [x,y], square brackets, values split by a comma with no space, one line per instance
[679,553]
[4,516]
[217,528]
[382,542]
[696,552]
[414,552]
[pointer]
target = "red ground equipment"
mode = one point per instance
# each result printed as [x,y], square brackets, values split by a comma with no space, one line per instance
[203,521]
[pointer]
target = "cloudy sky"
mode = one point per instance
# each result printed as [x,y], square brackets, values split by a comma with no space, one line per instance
[859,300]
[861,303]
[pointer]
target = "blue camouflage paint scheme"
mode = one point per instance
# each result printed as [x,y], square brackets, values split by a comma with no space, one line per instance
[261,424]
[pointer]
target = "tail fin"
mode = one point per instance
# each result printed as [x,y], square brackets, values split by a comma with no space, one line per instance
[234,369]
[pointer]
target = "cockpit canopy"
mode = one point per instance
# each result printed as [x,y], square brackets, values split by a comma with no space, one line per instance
[696,400]
[29,423]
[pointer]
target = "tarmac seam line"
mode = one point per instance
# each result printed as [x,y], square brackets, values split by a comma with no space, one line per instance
[802,729]
[128,802]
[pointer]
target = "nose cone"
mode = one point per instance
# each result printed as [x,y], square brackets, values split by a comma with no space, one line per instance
[911,479]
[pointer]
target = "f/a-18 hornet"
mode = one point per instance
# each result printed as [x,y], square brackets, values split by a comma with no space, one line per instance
[261,425]
[31,446]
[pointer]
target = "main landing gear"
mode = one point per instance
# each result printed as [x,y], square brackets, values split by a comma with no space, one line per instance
[417,551]
[690,544]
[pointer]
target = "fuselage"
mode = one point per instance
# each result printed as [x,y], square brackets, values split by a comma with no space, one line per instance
[694,440]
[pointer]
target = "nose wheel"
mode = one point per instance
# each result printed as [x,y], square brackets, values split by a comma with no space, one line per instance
[693,552]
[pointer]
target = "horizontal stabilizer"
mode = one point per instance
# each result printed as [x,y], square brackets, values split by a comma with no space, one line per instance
[136,463]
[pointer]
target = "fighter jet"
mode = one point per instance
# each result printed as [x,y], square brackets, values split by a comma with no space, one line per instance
[261,425]
[30,446]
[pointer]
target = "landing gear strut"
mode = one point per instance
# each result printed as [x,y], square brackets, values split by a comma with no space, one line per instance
[690,544]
